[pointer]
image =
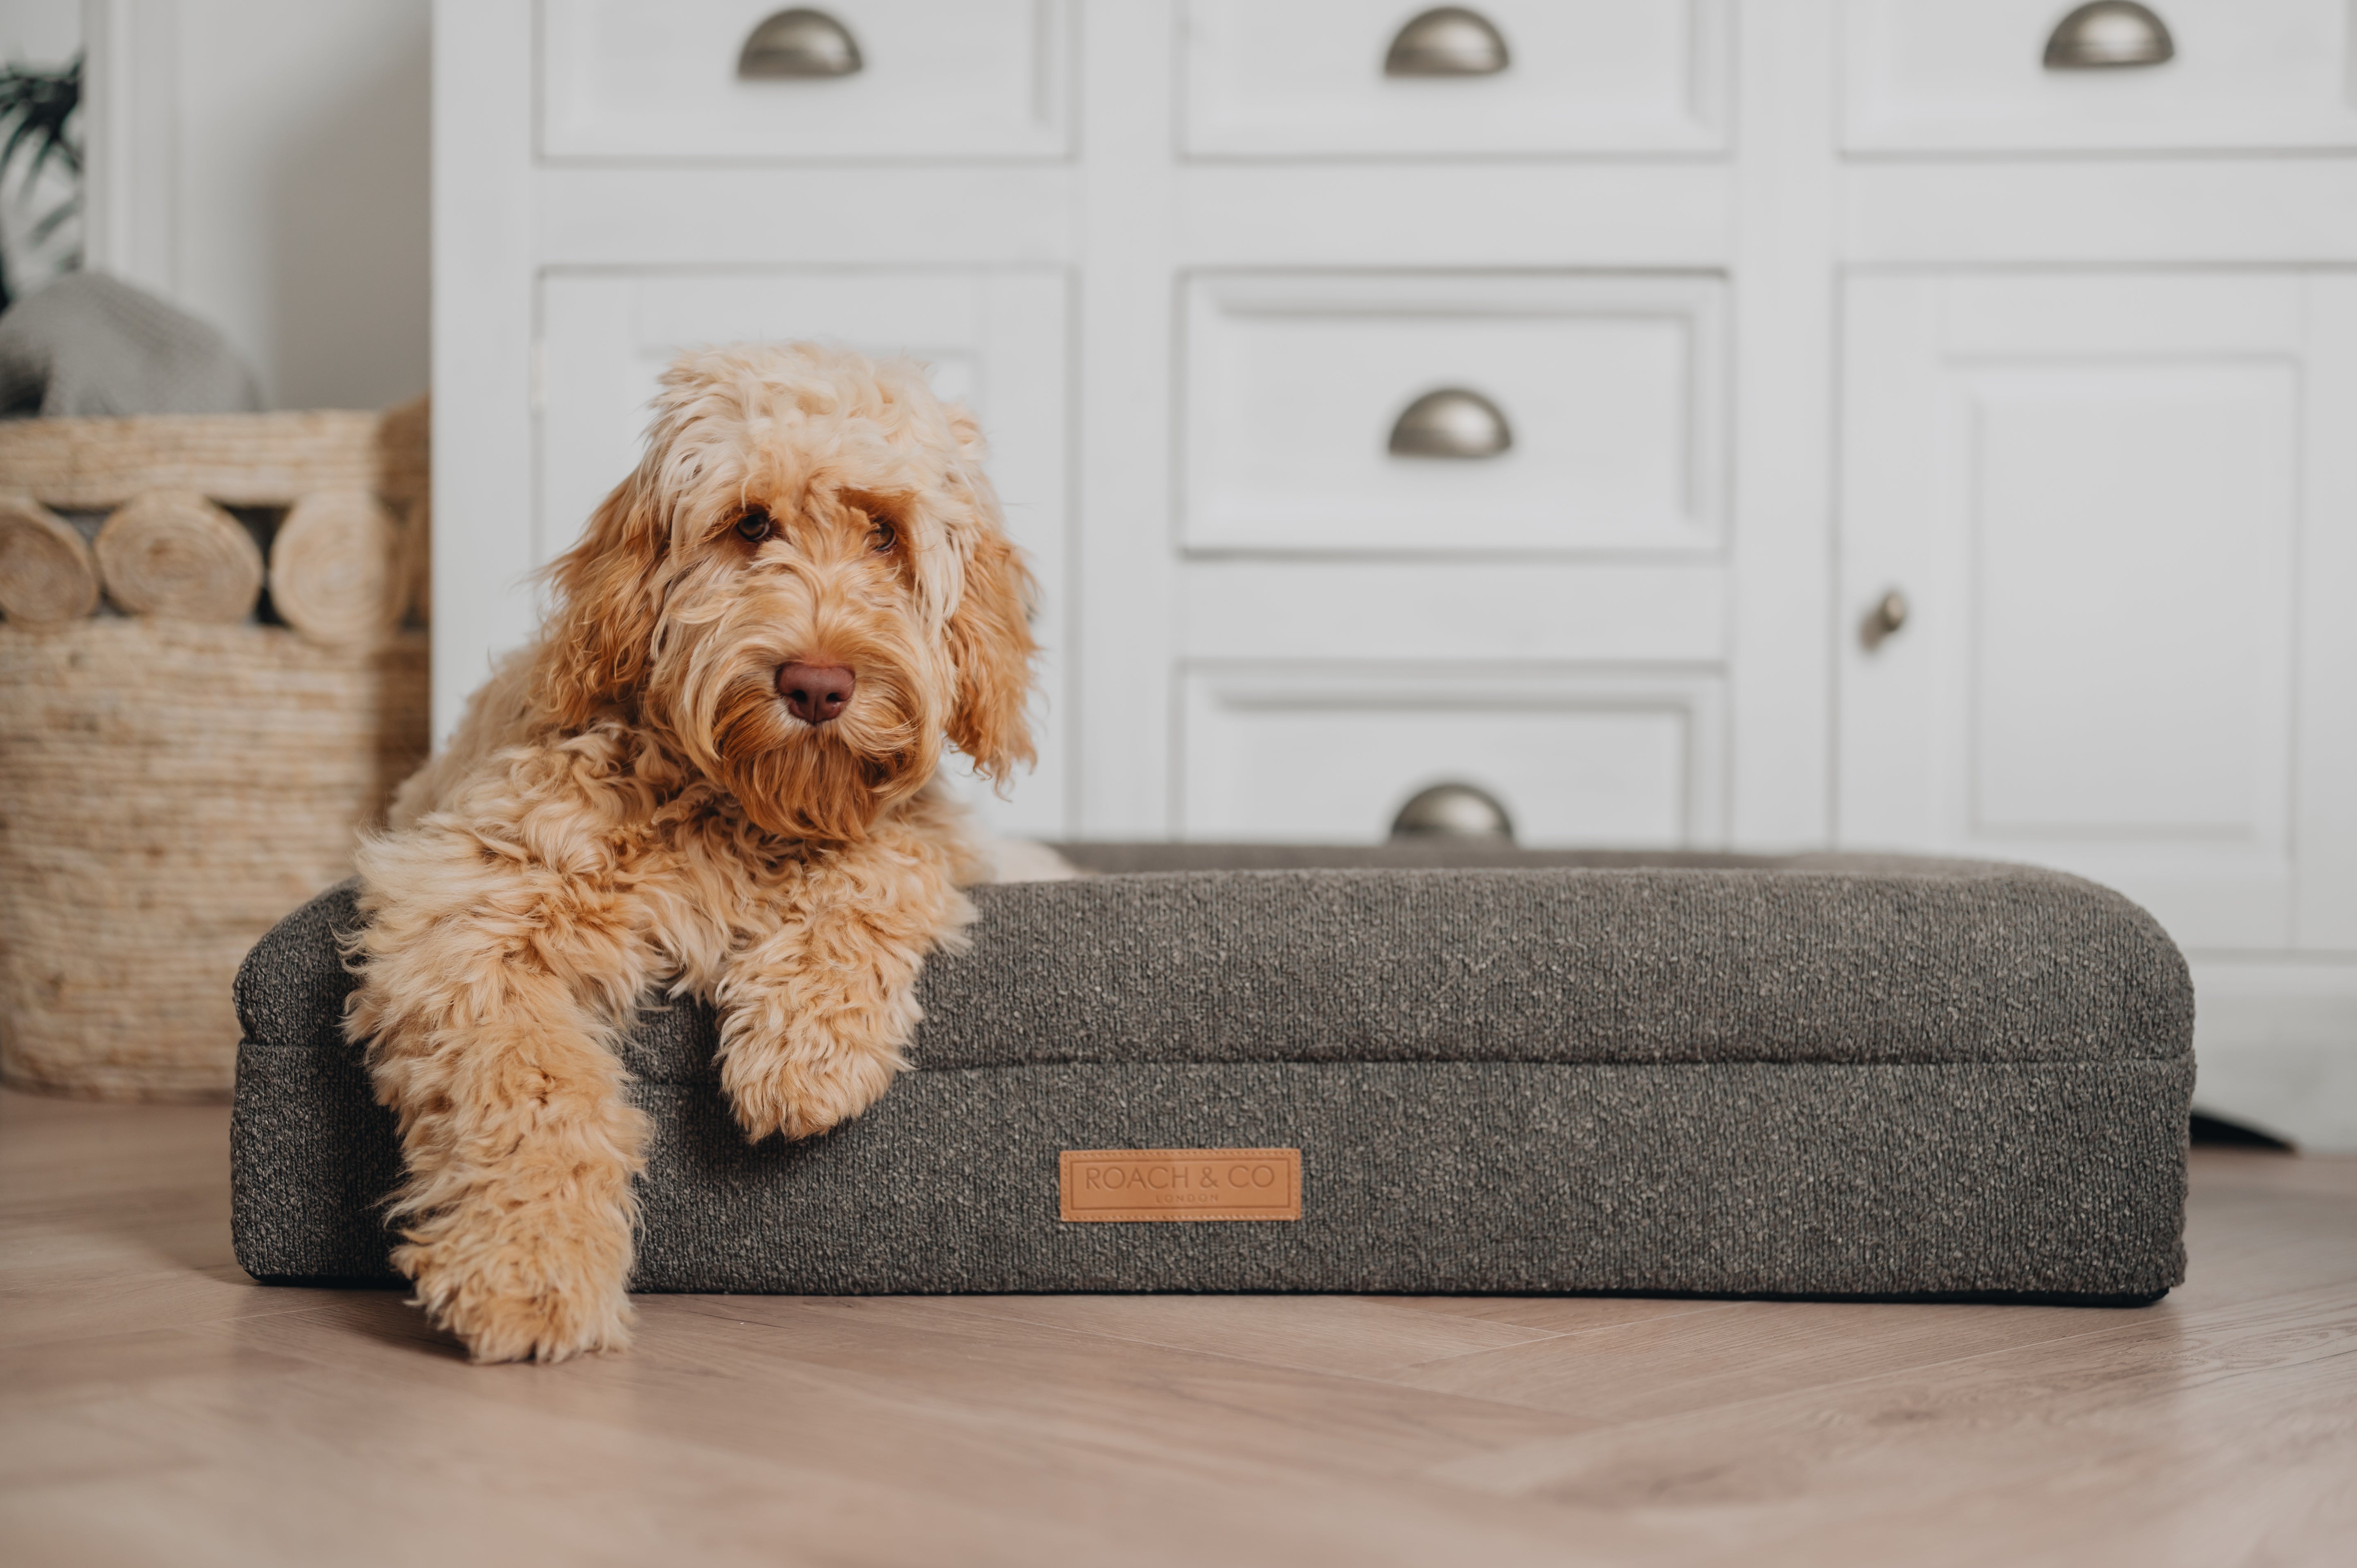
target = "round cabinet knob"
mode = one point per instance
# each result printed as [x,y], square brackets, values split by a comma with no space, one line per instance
[1451,422]
[1887,615]
[1448,42]
[1452,811]
[2108,35]
[798,43]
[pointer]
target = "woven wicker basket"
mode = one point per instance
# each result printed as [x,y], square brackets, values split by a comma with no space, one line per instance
[170,789]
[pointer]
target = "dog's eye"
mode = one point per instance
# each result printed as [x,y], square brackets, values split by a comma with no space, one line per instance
[881,537]
[754,525]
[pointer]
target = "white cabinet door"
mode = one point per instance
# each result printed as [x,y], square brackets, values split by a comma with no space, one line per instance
[994,338]
[2118,510]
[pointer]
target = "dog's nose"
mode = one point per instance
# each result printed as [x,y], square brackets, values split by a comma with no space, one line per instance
[815,693]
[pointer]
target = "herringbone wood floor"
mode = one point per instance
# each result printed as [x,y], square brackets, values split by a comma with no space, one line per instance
[156,1406]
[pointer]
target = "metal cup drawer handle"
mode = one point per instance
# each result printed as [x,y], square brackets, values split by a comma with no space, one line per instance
[1453,811]
[2107,36]
[799,43]
[1448,42]
[1451,422]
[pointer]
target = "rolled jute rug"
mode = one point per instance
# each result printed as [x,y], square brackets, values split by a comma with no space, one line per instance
[47,573]
[172,789]
[336,567]
[174,553]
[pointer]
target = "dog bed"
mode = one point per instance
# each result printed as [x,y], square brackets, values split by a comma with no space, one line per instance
[1468,1069]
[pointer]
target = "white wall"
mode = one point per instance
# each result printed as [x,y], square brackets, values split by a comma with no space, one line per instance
[264,164]
[39,32]
[43,34]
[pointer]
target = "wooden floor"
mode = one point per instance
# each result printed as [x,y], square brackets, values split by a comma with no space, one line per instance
[156,1406]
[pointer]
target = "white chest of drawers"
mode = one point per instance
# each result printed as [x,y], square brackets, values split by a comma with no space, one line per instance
[1748,316]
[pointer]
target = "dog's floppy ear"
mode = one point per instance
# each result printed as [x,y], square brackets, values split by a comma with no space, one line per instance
[990,630]
[990,643]
[600,635]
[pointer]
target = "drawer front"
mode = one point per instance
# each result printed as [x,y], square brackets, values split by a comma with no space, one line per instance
[1607,394]
[1935,76]
[935,79]
[1322,755]
[1310,78]
[995,338]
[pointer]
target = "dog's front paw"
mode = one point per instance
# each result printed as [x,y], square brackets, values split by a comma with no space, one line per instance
[539,1297]
[803,1094]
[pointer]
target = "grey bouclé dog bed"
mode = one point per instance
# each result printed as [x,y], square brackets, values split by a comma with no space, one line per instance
[1831,1076]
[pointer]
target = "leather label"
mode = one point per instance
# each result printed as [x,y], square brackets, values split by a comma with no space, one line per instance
[1181,1184]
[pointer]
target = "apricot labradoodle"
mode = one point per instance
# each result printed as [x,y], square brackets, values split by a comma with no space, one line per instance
[714,774]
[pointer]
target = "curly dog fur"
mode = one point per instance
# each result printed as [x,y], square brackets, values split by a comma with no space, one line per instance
[632,803]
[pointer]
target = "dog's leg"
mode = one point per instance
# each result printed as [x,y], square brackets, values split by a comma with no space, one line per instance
[814,1017]
[493,982]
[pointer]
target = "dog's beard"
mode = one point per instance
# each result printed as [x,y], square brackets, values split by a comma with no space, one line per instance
[821,781]
[715,688]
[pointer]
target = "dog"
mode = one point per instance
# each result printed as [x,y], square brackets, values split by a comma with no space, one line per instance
[715,774]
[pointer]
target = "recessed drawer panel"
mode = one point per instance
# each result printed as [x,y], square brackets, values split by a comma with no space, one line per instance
[919,79]
[1340,77]
[1460,414]
[1934,75]
[1327,755]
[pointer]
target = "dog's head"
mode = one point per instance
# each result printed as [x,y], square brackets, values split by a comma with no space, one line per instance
[804,586]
